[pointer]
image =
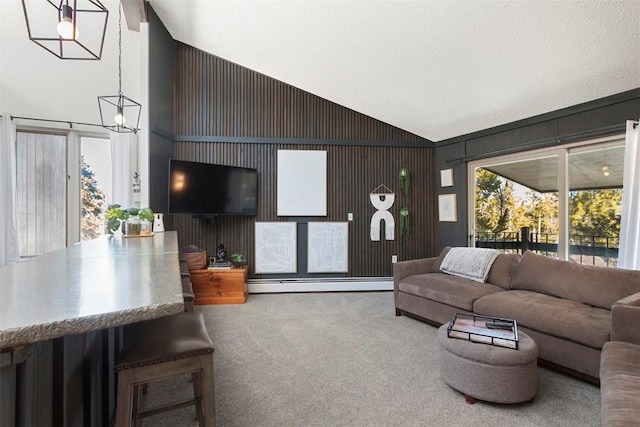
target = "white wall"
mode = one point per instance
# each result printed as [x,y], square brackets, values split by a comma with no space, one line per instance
[34,83]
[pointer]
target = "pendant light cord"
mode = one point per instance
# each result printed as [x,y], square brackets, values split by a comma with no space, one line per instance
[120,102]
[119,49]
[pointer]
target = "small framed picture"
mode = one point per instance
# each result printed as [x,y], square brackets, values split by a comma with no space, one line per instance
[446,178]
[447,209]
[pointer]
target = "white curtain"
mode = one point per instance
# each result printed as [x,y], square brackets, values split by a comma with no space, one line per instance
[124,165]
[8,217]
[629,252]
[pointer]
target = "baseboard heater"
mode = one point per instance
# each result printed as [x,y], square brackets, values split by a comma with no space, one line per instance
[326,284]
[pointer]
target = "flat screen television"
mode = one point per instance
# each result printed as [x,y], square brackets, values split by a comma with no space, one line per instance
[211,189]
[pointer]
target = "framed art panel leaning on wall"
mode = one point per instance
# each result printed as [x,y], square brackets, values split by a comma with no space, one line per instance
[276,247]
[328,247]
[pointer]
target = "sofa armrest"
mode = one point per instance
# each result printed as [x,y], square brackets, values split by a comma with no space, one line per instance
[412,267]
[625,319]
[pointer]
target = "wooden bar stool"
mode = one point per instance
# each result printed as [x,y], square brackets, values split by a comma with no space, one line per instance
[162,348]
[184,270]
[187,288]
[187,294]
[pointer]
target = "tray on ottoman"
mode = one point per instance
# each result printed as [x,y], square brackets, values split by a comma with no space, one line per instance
[473,327]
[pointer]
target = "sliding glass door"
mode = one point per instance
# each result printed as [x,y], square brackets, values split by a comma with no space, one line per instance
[63,188]
[561,202]
[595,203]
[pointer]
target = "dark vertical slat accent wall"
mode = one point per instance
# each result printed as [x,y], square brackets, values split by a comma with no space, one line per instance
[216,98]
[161,112]
[353,172]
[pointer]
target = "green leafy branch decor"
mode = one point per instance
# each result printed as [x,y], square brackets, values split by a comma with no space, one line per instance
[116,214]
[405,189]
[404,220]
[405,181]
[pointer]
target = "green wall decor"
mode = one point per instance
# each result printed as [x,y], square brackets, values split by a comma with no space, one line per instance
[405,181]
[404,220]
[405,189]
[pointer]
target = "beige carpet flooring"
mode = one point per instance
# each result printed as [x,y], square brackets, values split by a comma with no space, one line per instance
[345,359]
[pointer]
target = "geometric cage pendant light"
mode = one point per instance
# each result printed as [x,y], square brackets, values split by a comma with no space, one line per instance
[119,113]
[69,29]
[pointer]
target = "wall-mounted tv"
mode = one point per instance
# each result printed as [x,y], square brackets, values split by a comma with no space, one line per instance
[210,189]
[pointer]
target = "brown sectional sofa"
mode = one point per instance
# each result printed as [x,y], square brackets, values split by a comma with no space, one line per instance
[565,307]
[620,366]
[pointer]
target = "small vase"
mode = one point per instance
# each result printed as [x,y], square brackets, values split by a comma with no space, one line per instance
[132,227]
[145,227]
[239,264]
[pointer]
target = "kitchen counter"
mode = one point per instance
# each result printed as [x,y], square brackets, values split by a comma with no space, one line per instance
[93,285]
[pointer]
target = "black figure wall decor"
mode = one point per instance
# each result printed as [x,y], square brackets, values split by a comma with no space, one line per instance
[221,253]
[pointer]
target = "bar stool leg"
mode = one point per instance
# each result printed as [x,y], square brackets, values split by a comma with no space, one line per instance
[138,391]
[206,386]
[196,380]
[124,404]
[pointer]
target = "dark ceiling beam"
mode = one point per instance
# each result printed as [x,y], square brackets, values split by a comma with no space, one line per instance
[135,12]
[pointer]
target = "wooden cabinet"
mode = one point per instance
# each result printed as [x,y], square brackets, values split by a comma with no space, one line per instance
[220,286]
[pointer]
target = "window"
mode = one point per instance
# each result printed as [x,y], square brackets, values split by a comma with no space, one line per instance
[561,202]
[95,186]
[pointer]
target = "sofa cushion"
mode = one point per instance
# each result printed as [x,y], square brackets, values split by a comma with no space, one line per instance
[559,317]
[596,286]
[503,270]
[620,383]
[446,289]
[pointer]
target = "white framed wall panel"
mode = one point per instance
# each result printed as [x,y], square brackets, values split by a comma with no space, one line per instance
[275,247]
[328,247]
[302,183]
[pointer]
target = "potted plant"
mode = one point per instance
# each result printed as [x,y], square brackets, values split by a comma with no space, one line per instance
[238,260]
[116,215]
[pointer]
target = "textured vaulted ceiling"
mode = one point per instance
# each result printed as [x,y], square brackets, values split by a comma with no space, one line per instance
[439,69]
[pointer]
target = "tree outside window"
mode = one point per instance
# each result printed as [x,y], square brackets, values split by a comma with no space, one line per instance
[93,204]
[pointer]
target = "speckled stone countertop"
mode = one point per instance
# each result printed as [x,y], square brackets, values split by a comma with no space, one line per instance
[93,285]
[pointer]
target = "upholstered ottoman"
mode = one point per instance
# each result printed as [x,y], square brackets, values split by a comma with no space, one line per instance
[489,372]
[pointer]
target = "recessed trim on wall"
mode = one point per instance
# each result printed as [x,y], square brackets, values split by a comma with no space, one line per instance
[446,178]
[447,209]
